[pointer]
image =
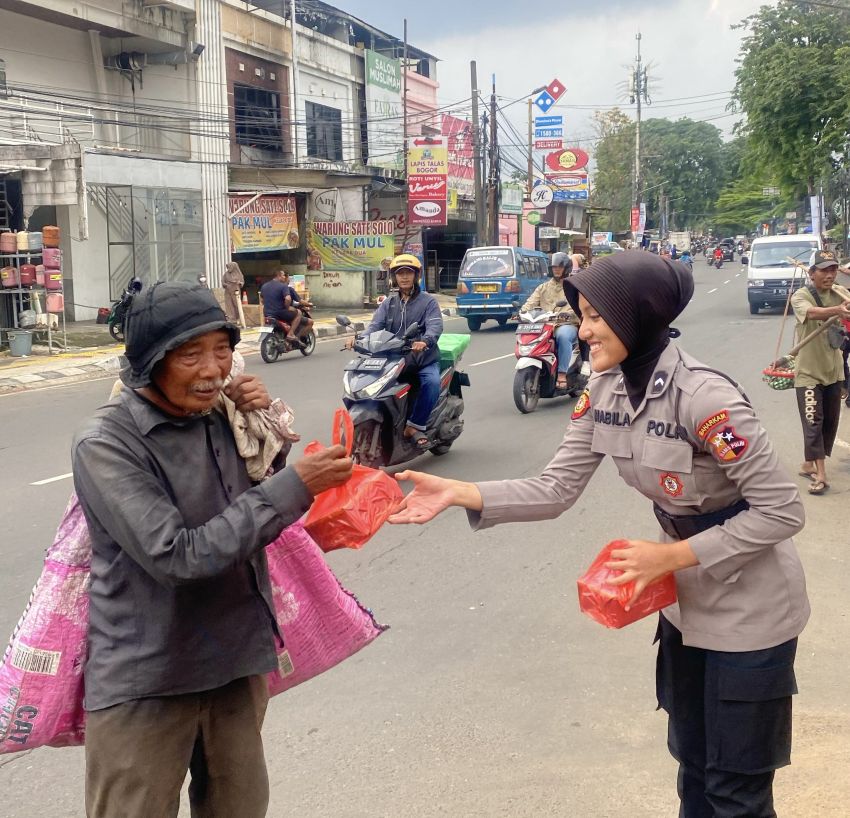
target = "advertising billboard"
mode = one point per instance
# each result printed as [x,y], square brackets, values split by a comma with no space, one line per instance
[267,223]
[383,111]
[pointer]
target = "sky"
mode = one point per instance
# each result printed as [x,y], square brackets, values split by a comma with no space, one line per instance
[589,45]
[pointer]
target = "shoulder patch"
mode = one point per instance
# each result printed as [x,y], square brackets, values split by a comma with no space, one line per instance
[582,406]
[705,426]
[727,445]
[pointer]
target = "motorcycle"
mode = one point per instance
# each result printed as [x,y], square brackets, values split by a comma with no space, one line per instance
[536,374]
[379,399]
[118,310]
[718,262]
[274,341]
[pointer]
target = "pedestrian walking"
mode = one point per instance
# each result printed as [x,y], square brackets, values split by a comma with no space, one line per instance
[233,281]
[819,367]
[182,626]
[686,438]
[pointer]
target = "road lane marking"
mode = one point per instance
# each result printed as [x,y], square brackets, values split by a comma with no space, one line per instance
[737,275]
[712,291]
[52,479]
[727,281]
[490,360]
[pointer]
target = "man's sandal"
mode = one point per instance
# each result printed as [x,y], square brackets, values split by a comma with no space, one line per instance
[818,487]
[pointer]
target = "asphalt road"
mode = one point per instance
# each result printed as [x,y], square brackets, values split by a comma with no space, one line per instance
[491,695]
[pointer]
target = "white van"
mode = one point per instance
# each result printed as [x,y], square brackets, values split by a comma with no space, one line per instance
[770,274]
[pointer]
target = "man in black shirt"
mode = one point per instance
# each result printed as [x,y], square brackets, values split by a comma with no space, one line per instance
[181,622]
[279,302]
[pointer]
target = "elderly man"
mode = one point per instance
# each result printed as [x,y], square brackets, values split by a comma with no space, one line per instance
[181,627]
[819,371]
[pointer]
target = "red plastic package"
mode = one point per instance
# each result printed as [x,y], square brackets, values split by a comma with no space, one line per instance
[606,603]
[349,515]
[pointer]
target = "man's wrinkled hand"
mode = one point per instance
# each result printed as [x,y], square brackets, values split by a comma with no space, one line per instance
[324,470]
[419,346]
[248,392]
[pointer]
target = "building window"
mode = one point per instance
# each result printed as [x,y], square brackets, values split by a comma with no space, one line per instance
[324,132]
[257,118]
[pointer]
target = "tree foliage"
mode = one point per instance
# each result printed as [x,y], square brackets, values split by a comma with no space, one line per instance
[791,83]
[683,160]
[612,183]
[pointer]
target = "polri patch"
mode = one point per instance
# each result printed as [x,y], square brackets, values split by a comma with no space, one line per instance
[582,406]
[672,484]
[705,426]
[727,445]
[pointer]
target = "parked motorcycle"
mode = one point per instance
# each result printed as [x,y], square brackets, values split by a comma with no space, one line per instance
[536,374]
[379,397]
[118,311]
[274,341]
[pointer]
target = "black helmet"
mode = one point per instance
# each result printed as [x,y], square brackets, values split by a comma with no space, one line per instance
[560,259]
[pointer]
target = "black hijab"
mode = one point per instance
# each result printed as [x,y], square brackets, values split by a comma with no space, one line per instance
[638,294]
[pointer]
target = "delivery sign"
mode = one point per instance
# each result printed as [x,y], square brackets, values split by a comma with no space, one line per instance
[427,180]
[351,246]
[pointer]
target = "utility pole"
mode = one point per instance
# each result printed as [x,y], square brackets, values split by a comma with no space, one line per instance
[404,97]
[296,79]
[638,93]
[494,168]
[476,157]
[530,149]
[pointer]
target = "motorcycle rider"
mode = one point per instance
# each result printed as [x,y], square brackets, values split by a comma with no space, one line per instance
[280,301]
[406,305]
[546,298]
[718,255]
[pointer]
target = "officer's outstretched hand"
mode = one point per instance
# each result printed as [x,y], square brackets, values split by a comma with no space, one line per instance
[432,495]
[324,470]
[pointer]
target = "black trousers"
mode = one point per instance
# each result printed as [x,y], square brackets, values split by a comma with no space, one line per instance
[729,723]
[820,411]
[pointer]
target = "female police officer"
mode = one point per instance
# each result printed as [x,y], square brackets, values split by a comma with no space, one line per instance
[686,438]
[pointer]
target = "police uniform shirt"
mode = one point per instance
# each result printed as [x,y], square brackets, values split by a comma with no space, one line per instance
[693,445]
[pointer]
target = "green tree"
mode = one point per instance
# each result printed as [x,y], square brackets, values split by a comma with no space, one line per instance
[612,182]
[741,206]
[791,83]
[684,163]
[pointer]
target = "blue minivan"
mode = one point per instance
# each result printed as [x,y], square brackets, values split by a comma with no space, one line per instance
[492,278]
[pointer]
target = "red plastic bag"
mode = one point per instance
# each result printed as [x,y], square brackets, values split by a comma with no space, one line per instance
[349,515]
[606,603]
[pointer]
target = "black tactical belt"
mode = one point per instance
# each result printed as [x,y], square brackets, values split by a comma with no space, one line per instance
[684,526]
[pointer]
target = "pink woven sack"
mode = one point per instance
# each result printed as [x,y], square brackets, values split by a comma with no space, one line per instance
[41,676]
[322,623]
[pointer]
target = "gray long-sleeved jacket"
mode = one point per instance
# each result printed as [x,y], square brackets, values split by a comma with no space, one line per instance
[694,445]
[180,599]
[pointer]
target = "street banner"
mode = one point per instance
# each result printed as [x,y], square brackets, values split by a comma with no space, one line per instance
[601,238]
[568,186]
[458,133]
[642,220]
[350,246]
[635,224]
[267,223]
[384,111]
[427,180]
[510,198]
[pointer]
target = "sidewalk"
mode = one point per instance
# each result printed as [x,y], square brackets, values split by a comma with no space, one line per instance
[96,355]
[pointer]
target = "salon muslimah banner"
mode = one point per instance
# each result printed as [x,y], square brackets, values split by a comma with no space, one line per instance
[350,246]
